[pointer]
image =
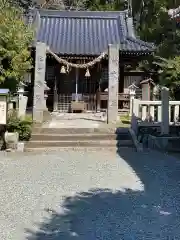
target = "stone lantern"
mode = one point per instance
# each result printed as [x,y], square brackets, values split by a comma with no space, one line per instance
[132,93]
[22,100]
[21,88]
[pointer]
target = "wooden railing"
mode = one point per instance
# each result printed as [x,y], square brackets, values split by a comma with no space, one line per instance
[92,101]
[64,101]
[123,100]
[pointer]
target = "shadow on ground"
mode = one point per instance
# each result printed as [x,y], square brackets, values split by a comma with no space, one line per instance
[102,214]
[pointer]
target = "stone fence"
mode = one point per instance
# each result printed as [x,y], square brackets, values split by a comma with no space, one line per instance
[155,113]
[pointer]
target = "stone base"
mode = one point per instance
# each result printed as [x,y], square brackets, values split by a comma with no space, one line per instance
[164,143]
[11,139]
[20,147]
[46,116]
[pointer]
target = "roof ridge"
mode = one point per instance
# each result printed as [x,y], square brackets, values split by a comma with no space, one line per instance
[143,43]
[82,11]
[80,14]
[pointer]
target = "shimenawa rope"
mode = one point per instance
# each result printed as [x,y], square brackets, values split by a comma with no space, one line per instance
[85,65]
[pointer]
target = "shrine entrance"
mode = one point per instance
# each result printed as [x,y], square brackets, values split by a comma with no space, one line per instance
[78,85]
[75,91]
[75,86]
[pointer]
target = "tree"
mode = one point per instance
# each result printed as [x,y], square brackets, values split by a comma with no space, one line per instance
[105,5]
[24,4]
[15,39]
[53,4]
[170,72]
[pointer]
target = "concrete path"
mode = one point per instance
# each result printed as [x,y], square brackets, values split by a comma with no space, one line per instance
[89,195]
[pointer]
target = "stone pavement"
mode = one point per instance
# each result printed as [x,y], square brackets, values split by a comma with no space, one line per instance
[76,120]
[89,195]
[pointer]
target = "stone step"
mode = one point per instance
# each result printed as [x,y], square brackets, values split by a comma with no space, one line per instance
[83,143]
[79,130]
[84,149]
[77,137]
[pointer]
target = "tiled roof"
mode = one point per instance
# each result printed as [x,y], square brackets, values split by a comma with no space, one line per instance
[135,45]
[86,33]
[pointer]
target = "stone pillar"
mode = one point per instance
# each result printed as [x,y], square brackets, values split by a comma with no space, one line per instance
[22,101]
[146,92]
[165,110]
[46,89]
[135,115]
[55,98]
[147,85]
[40,68]
[132,94]
[113,82]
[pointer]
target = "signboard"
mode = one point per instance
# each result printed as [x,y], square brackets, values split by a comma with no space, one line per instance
[3,110]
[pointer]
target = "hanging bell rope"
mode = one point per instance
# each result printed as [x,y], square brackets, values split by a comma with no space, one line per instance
[69,64]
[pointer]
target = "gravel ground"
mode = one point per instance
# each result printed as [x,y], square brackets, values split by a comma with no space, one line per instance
[88,195]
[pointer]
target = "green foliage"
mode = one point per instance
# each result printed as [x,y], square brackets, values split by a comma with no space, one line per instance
[15,39]
[170,75]
[154,25]
[104,5]
[25,4]
[126,119]
[22,126]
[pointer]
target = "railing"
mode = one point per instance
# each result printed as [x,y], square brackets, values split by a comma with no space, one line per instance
[150,111]
[123,100]
[91,100]
[64,101]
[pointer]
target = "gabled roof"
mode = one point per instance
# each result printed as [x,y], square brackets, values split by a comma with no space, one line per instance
[87,32]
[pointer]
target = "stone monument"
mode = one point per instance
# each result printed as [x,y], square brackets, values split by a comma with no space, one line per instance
[113,83]
[147,85]
[40,68]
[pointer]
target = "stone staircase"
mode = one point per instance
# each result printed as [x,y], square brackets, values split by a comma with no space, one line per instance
[94,138]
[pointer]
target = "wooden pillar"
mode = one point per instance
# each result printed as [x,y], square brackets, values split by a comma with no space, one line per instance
[98,99]
[113,83]
[121,79]
[98,91]
[40,68]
